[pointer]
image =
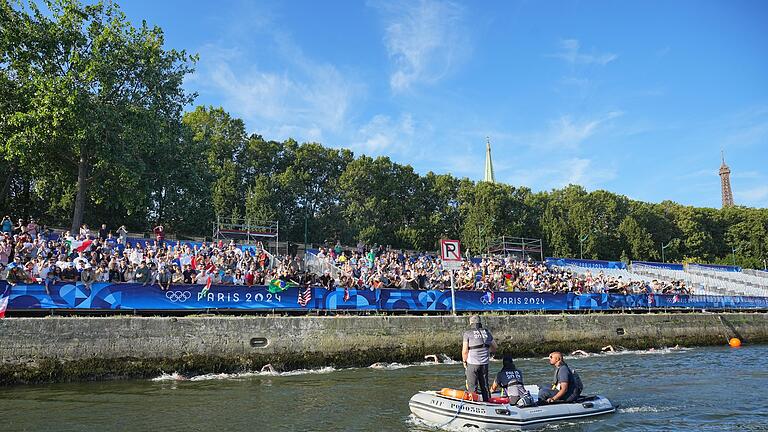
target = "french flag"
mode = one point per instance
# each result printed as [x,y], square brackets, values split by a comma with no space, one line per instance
[4,300]
[489,296]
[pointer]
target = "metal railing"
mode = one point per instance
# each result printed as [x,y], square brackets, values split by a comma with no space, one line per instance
[319,265]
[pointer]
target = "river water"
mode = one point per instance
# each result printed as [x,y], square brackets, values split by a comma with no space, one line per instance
[714,388]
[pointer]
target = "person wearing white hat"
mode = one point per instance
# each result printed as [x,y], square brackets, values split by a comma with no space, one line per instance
[87,276]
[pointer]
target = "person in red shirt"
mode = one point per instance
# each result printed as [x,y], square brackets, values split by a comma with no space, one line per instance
[159,234]
[249,278]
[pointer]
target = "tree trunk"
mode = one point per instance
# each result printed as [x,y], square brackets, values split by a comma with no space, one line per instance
[82,173]
[7,184]
[27,204]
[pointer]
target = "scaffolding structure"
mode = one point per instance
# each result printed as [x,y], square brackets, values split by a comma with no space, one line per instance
[248,231]
[519,247]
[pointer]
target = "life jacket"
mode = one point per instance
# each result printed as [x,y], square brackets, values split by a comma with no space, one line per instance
[486,341]
[575,386]
[515,377]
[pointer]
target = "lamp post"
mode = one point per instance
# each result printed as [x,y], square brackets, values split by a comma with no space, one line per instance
[733,254]
[306,216]
[581,245]
[663,246]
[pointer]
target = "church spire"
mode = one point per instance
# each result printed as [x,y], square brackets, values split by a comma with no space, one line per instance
[489,177]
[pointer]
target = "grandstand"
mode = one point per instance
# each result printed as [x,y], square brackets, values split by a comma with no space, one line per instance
[703,279]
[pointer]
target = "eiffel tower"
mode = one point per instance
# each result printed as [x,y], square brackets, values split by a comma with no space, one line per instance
[725,183]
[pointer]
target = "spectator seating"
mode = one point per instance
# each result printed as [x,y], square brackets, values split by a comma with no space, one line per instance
[708,280]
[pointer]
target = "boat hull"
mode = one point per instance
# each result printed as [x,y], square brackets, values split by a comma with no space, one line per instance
[442,410]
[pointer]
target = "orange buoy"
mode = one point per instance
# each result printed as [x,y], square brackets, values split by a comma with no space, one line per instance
[498,400]
[734,342]
[460,394]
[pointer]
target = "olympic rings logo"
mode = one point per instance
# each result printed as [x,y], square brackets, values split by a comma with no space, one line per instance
[178,296]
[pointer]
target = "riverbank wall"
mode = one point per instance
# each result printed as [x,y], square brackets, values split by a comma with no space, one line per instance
[60,349]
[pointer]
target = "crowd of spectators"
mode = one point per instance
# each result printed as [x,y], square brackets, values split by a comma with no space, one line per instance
[380,268]
[30,253]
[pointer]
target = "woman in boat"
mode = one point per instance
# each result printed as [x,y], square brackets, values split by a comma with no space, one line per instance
[510,381]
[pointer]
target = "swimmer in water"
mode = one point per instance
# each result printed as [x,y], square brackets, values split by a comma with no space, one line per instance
[607,348]
[580,353]
[268,368]
[378,365]
[432,357]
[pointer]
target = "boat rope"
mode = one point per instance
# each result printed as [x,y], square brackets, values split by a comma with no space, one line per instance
[461,405]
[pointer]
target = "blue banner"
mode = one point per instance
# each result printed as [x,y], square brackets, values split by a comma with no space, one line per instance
[562,262]
[106,296]
[340,299]
[137,296]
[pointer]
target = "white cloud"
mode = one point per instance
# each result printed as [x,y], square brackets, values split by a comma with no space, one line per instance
[383,134]
[754,197]
[551,174]
[582,83]
[568,133]
[570,51]
[702,173]
[745,128]
[425,40]
[583,172]
[303,99]
[663,51]
[746,175]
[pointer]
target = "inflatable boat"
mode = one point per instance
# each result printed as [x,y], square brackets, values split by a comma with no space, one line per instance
[456,408]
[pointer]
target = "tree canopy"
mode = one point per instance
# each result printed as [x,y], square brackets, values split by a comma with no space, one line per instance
[95,105]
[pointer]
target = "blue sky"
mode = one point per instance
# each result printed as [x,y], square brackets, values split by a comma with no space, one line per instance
[637,98]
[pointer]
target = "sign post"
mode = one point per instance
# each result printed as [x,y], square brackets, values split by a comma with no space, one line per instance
[450,255]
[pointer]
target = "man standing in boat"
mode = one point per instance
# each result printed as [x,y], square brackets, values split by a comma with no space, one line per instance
[476,350]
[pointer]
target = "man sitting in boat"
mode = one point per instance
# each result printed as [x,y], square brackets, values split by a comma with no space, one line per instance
[510,381]
[476,350]
[567,385]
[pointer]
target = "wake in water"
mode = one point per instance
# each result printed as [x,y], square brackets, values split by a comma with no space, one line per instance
[429,360]
[644,409]
[417,424]
[175,376]
[269,371]
[622,351]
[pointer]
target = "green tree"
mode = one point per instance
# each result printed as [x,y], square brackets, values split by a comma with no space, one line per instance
[221,139]
[377,197]
[99,94]
[492,210]
[637,240]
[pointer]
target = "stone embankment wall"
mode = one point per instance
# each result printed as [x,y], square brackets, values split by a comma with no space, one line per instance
[71,349]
